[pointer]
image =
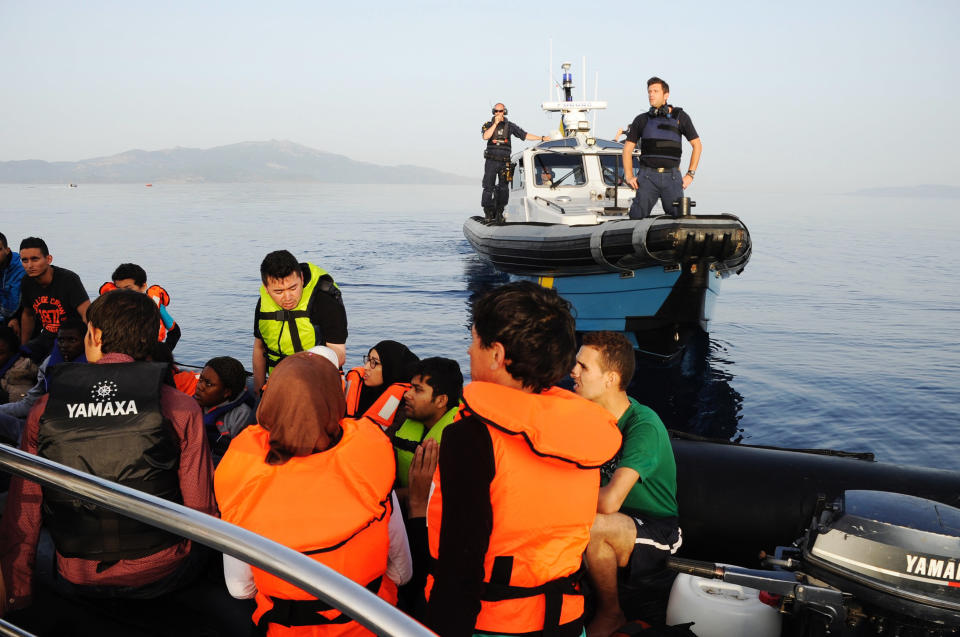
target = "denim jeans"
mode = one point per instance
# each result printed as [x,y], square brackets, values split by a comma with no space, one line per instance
[652,185]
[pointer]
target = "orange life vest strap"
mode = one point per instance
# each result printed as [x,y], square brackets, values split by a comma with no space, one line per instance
[306,612]
[499,589]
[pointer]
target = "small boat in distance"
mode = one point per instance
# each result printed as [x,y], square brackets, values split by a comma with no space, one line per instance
[567,227]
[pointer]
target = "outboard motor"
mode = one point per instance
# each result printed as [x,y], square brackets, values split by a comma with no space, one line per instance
[897,555]
[871,563]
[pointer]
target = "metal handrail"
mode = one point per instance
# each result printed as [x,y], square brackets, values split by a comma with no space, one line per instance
[256,550]
[9,630]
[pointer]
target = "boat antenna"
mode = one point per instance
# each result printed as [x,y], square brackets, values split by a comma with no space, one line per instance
[550,72]
[583,71]
[596,98]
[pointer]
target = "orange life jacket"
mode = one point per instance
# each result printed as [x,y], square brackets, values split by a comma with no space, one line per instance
[155,292]
[383,408]
[333,506]
[186,381]
[547,451]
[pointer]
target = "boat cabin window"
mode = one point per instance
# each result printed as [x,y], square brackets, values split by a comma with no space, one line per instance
[612,168]
[559,170]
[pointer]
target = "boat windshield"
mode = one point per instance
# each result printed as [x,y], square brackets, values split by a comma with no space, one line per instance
[612,167]
[559,170]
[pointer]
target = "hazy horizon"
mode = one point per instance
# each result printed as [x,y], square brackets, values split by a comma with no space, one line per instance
[819,97]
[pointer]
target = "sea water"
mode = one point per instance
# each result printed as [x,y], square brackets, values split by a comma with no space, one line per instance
[842,332]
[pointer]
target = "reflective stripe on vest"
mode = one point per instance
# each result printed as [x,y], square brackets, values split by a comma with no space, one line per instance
[352,384]
[333,506]
[286,332]
[383,409]
[660,137]
[547,451]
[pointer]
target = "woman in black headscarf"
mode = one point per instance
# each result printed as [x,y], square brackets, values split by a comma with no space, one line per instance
[376,389]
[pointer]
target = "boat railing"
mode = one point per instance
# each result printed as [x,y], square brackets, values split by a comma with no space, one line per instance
[300,570]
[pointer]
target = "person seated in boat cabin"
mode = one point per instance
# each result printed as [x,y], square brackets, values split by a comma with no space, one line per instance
[300,306]
[545,177]
[130,276]
[158,437]
[376,390]
[227,405]
[637,525]
[69,349]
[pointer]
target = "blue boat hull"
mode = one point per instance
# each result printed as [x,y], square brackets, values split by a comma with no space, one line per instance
[656,307]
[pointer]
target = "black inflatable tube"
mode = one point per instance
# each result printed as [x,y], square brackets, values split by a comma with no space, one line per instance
[736,500]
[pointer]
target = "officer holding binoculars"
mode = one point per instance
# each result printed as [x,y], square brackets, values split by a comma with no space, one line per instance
[497,168]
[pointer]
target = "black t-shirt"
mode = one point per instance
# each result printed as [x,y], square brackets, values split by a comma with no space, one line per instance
[54,303]
[640,121]
[327,312]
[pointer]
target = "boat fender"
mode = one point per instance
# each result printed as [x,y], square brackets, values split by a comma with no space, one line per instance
[639,242]
[596,251]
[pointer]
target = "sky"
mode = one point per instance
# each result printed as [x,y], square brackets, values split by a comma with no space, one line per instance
[787,97]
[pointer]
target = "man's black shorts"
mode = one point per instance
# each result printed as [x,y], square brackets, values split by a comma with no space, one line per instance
[657,539]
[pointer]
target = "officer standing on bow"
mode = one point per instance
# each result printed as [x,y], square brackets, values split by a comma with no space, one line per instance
[659,132]
[497,132]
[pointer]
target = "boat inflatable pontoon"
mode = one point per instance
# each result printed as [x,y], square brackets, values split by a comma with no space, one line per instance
[623,245]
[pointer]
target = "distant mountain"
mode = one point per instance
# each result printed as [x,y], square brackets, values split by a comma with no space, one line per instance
[272,161]
[928,191]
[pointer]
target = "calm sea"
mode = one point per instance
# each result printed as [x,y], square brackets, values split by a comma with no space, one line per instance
[842,332]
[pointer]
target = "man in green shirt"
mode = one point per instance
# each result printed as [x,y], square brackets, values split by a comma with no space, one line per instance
[636,527]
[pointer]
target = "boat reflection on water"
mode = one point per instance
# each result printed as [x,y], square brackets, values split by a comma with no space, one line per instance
[691,391]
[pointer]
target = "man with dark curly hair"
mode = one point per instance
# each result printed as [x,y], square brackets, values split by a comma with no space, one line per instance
[519,471]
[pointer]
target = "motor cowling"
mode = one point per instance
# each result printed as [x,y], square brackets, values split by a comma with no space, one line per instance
[891,551]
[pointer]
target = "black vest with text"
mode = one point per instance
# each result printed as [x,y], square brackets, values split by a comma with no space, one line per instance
[498,146]
[106,420]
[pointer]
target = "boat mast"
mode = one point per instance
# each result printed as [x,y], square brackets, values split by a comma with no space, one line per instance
[573,113]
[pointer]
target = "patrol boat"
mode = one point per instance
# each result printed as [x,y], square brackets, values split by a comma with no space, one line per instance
[567,227]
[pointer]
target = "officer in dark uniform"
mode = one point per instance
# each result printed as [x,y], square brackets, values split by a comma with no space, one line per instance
[659,132]
[497,132]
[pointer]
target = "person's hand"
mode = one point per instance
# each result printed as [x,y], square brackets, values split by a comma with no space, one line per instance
[422,468]
[497,118]
[14,324]
[687,180]
[632,182]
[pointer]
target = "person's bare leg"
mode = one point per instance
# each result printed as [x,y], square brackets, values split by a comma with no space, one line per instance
[612,538]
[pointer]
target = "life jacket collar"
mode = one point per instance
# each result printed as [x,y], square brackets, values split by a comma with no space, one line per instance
[553,423]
